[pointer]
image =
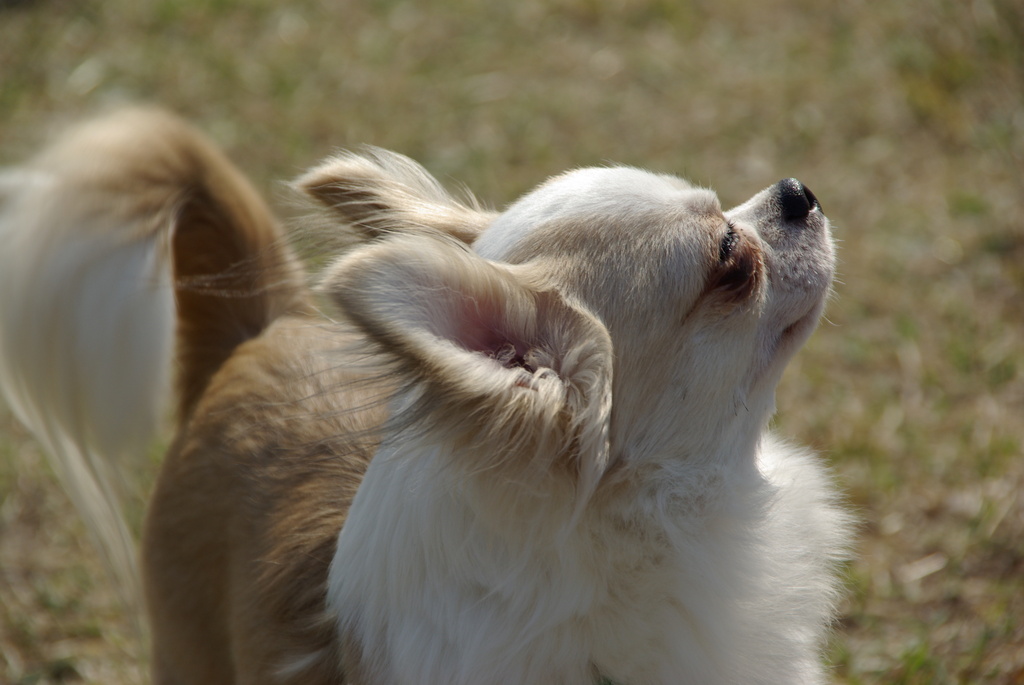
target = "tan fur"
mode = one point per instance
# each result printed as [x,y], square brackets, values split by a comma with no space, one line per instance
[250,498]
[248,507]
[379,192]
[233,273]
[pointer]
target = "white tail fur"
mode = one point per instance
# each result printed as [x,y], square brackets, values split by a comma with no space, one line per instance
[128,247]
[86,336]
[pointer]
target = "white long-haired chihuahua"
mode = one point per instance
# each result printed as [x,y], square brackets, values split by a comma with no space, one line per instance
[530,448]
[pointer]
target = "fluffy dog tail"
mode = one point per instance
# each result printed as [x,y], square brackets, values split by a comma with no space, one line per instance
[129,248]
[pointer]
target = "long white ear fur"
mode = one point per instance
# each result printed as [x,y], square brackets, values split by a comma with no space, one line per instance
[499,362]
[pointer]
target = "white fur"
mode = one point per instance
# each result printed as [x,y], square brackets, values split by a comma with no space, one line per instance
[85,354]
[708,559]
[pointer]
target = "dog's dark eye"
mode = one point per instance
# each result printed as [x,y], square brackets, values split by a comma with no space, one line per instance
[727,245]
[739,264]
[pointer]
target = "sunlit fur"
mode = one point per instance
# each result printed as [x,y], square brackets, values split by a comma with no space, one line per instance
[529,447]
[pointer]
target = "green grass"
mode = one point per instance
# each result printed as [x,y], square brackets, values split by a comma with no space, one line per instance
[907,120]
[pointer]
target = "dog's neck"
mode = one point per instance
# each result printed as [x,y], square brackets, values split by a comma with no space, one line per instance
[441,576]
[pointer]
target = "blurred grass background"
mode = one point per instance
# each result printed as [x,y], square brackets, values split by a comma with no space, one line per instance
[907,120]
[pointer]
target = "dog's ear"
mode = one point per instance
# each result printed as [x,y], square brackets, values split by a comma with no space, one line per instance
[381,192]
[496,362]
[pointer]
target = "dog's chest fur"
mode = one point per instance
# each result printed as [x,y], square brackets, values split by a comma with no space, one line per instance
[647,591]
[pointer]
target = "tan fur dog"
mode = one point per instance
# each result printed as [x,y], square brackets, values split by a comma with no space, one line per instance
[532,449]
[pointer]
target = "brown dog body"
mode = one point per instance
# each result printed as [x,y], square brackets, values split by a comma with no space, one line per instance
[249,509]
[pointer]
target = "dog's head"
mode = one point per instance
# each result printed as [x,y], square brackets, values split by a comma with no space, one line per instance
[611,315]
[703,306]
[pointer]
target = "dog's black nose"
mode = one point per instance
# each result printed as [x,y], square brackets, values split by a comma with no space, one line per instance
[797,199]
